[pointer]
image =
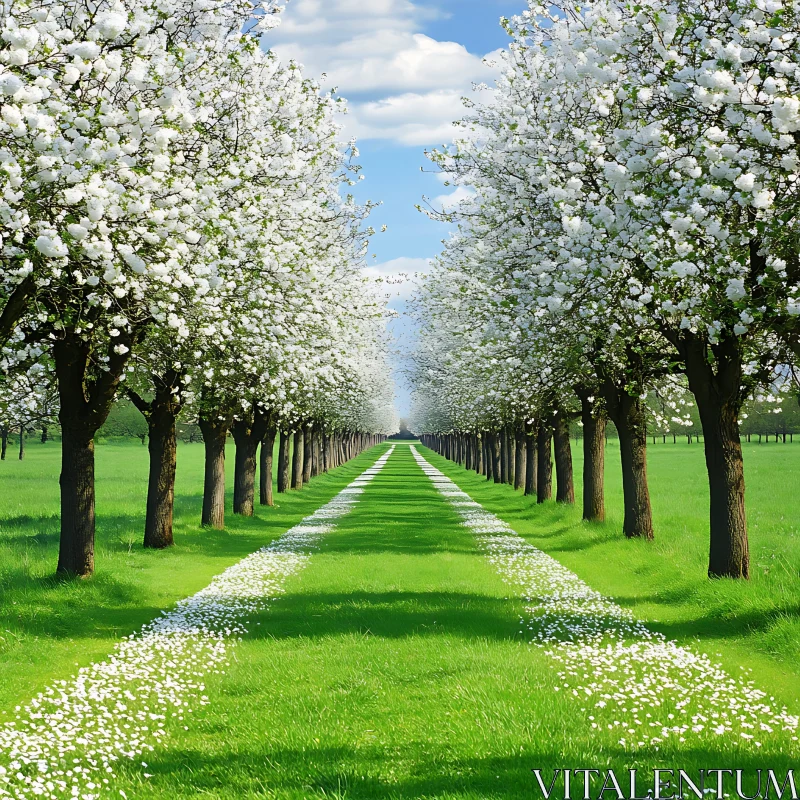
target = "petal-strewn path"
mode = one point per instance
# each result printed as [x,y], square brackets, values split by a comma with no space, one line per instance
[399,664]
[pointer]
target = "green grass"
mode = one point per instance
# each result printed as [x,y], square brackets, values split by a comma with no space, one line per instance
[48,627]
[755,623]
[394,667]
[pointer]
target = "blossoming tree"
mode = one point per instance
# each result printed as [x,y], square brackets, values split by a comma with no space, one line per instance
[637,171]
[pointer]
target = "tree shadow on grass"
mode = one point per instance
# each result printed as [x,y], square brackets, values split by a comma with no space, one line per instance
[371,534]
[390,614]
[33,601]
[714,626]
[413,771]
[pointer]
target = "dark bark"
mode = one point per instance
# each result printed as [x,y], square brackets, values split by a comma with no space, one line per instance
[163,448]
[161,486]
[21,443]
[502,442]
[244,475]
[15,307]
[565,485]
[627,411]
[338,449]
[520,458]
[497,475]
[265,472]
[76,545]
[308,454]
[508,435]
[45,437]
[284,474]
[85,401]
[632,429]
[248,433]
[531,459]
[161,414]
[719,396]
[3,442]
[544,462]
[594,453]
[297,460]
[214,428]
[316,462]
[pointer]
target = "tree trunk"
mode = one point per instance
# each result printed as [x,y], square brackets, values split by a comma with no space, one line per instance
[531,459]
[630,422]
[265,474]
[215,436]
[316,463]
[297,460]
[717,390]
[520,458]
[308,453]
[497,475]
[565,485]
[21,443]
[284,474]
[244,475]
[85,400]
[729,554]
[3,442]
[594,453]
[16,304]
[508,436]
[76,545]
[248,434]
[544,465]
[163,449]
[339,449]
[45,437]
[502,441]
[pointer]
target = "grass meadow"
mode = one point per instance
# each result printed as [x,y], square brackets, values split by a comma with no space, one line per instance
[664,581]
[394,665]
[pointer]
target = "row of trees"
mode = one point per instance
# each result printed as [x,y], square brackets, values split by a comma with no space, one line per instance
[27,402]
[631,233]
[173,231]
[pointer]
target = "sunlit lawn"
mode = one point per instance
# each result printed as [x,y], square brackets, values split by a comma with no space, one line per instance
[754,624]
[394,666]
[48,626]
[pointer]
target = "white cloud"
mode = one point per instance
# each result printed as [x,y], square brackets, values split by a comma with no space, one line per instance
[447,202]
[398,276]
[402,85]
[335,21]
[410,119]
[389,60]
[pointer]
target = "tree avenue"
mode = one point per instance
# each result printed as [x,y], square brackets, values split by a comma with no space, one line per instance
[631,231]
[173,231]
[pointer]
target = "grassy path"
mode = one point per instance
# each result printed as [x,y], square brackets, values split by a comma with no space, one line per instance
[48,627]
[394,668]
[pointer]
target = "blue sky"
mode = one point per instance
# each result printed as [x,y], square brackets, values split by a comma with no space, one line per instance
[403,66]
